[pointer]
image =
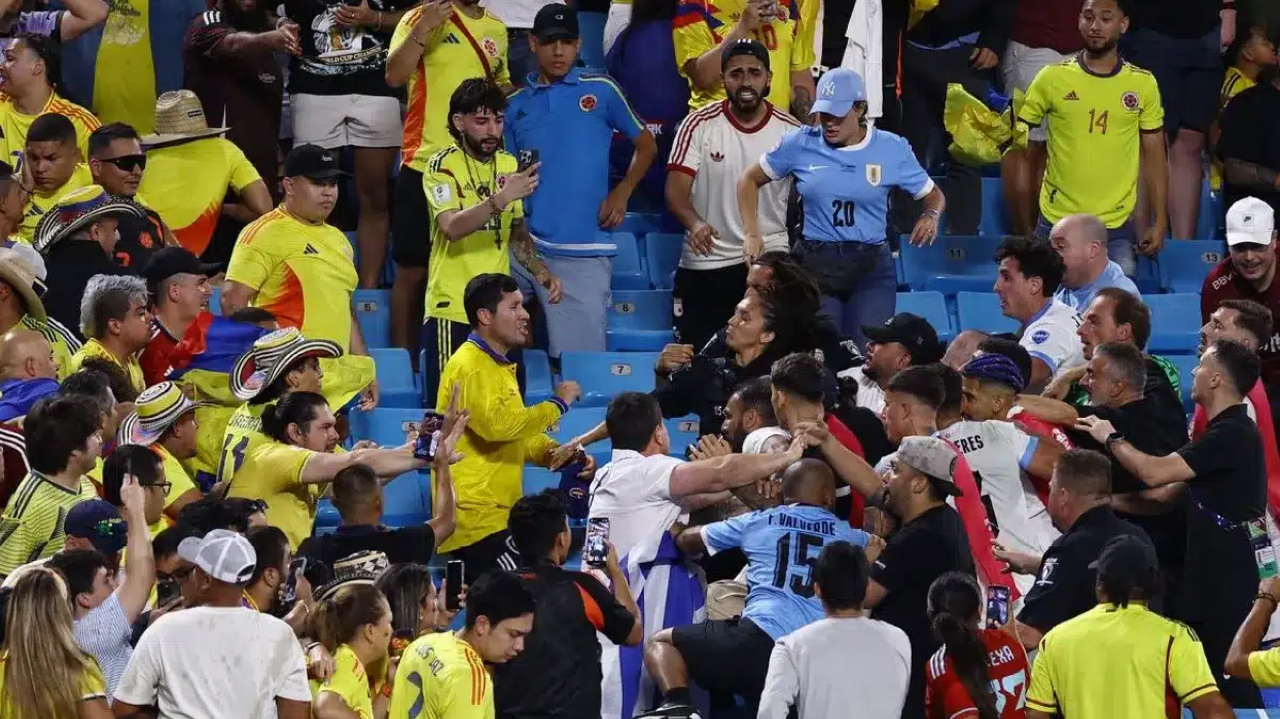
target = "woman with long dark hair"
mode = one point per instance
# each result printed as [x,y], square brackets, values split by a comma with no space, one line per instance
[977,672]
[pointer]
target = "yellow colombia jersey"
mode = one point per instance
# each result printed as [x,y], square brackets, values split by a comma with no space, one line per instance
[702,24]
[93,348]
[1234,82]
[1094,126]
[348,681]
[185,184]
[127,96]
[92,685]
[458,50]
[441,677]
[502,435]
[40,202]
[1111,662]
[456,181]
[272,472]
[243,435]
[175,474]
[31,526]
[63,341]
[14,126]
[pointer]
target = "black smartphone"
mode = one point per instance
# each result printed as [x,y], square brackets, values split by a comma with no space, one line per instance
[166,591]
[297,567]
[997,605]
[526,159]
[454,579]
[595,548]
[428,436]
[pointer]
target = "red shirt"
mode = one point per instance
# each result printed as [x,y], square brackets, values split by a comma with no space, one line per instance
[846,437]
[1048,23]
[1224,284]
[155,356]
[946,697]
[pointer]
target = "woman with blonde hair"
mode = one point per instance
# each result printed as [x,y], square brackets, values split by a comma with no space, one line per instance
[43,671]
[354,624]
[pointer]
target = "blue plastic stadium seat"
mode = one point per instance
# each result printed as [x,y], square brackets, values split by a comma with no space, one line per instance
[639,223]
[685,431]
[981,311]
[1175,323]
[662,253]
[1147,276]
[639,320]
[1207,220]
[215,301]
[327,517]
[605,374]
[537,377]
[628,269]
[995,216]
[930,305]
[1185,363]
[1185,263]
[952,264]
[396,387]
[373,314]
[576,422]
[591,30]
[407,499]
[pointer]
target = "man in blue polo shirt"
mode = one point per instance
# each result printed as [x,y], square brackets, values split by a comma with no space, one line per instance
[1081,240]
[568,117]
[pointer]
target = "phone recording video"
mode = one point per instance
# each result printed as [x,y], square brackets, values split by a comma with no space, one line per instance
[526,159]
[297,567]
[428,441]
[454,578]
[997,606]
[595,548]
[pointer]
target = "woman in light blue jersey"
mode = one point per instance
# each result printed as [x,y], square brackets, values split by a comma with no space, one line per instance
[843,172]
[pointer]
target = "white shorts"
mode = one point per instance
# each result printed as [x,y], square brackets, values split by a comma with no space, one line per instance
[333,121]
[1020,65]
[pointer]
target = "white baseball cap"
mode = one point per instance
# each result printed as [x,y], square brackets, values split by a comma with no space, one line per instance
[1250,221]
[933,457]
[224,555]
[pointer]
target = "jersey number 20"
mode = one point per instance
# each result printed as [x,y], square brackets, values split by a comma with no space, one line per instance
[842,213]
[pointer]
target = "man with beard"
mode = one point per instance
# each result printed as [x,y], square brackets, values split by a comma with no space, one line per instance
[32,74]
[749,408]
[229,62]
[1099,106]
[117,161]
[712,149]
[475,191]
[1249,273]
[502,434]
[905,340]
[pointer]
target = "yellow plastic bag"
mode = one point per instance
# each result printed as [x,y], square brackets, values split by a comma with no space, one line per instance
[980,135]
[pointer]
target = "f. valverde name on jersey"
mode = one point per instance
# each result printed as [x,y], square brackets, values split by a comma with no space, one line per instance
[788,521]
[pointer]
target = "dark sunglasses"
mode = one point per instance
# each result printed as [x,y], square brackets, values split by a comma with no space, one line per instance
[128,163]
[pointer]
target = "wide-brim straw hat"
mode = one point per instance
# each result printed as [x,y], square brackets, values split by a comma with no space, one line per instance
[79,209]
[179,118]
[359,568]
[271,356]
[156,410]
[21,276]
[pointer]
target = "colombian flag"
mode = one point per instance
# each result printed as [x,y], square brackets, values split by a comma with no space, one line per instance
[203,358]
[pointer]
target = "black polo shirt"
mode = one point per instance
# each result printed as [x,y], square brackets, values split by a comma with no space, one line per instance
[558,673]
[1250,133]
[405,545]
[923,550]
[70,263]
[1229,488]
[1064,586]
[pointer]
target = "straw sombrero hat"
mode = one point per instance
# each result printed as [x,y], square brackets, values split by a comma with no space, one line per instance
[15,270]
[359,568]
[157,409]
[77,210]
[179,118]
[271,356]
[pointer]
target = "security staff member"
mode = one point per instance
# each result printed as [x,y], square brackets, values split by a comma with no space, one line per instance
[1078,503]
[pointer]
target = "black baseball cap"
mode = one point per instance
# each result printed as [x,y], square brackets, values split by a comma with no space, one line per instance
[170,261]
[1126,557]
[556,21]
[744,46]
[911,331]
[312,162]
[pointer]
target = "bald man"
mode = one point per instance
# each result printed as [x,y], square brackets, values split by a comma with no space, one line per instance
[1082,242]
[732,657]
[28,372]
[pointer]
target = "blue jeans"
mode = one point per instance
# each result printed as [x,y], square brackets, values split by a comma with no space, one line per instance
[858,282]
[577,323]
[520,59]
[1120,243]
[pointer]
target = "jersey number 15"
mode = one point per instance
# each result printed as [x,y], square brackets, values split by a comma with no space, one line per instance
[806,551]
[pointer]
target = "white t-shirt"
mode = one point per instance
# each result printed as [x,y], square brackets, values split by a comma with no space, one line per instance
[1000,453]
[833,665]
[1051,337]
[869,393]
[634,493]
[214,663]
[715,149]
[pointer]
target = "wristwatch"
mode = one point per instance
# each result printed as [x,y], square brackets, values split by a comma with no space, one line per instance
[1113,437]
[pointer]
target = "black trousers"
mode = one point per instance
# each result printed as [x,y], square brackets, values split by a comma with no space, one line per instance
[926,74]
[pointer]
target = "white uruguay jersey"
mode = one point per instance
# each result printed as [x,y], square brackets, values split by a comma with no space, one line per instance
[715,149]
[1051,337]
[634,493]
[999,453]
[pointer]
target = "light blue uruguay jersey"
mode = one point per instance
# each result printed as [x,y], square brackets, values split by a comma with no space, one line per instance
[782,546]
[845,190]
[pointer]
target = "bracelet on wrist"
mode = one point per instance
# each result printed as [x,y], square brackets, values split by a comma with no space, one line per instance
[493,206]
[1269,597]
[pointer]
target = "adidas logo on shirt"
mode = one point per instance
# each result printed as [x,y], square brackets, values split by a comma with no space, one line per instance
[452,40]
[1071,96]
[309,250]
